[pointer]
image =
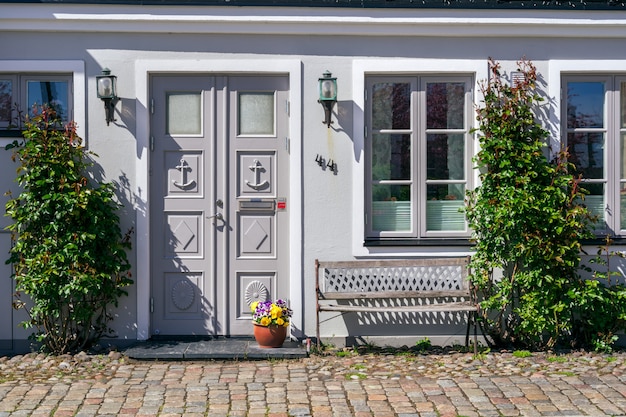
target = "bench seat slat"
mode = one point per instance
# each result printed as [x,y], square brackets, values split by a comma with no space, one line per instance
[452,307]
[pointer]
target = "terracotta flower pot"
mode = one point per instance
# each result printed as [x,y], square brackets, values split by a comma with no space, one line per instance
[270,336]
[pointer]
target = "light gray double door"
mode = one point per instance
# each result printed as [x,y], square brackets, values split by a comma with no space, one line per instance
[218,201]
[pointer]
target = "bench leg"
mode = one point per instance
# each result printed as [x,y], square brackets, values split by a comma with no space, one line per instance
[472,319]
[467,331]
[475,322]
[317,330]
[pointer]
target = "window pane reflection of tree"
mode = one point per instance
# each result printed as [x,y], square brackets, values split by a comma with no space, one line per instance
[51,93]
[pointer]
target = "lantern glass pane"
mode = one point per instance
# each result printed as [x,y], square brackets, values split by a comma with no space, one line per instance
[105,87]
[328,90]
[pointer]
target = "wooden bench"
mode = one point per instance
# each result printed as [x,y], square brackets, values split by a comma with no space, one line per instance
[396,286]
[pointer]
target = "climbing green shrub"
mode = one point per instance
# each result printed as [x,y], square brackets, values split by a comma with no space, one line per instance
[526,219]
[601,308]
[68,255]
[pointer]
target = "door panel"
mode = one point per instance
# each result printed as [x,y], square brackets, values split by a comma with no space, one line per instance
[183,298]
[259,167]
[218,166]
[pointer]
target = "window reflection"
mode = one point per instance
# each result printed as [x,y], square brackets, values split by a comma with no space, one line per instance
[622,100]
[445,157]
[587,153]
[445,104]
[391,157]
[51,93]
[391,106]
[6,101]
[585,104]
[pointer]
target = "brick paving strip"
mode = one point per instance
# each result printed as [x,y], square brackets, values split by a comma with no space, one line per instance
[373,385]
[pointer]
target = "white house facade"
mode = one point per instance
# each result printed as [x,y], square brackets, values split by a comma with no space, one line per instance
[231,180]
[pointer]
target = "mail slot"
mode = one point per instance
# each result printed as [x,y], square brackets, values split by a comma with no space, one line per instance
[249,205]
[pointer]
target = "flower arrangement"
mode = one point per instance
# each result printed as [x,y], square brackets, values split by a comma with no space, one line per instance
[268,313]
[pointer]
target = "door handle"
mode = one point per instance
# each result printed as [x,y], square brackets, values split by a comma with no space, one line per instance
[217,216]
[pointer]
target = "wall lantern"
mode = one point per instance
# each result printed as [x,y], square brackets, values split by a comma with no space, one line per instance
[107,92]
[328,95]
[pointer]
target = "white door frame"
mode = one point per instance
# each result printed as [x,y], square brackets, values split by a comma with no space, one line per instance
[143,70]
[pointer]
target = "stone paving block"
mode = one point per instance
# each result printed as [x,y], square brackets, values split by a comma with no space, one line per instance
[317,386]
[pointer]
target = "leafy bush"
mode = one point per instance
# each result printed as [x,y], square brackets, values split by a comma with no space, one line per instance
[527,220]
[69,255]
[601,302]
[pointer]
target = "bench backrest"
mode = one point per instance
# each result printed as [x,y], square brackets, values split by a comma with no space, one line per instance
[440,277]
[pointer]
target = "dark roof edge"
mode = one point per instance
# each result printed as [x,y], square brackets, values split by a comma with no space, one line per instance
[365,4]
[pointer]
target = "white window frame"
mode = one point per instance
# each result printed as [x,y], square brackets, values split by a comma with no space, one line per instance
[361,69]
[20,105]
[559,70]
[24,79]
[612,131]
[51,69]
[418,132]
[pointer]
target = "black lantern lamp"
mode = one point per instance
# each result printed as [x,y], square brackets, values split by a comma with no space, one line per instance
[328,95]
[107,92]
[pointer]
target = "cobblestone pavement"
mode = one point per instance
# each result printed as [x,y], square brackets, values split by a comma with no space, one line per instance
[339,384]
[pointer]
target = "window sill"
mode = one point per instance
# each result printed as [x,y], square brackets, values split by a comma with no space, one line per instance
[419,242]
[466,242]
[11,134]
[601,241]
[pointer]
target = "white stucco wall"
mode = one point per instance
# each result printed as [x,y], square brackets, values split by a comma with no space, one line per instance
[326,208]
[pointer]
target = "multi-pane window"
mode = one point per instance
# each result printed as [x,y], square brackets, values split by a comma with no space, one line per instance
[594,126]
[418,158]
[20,92]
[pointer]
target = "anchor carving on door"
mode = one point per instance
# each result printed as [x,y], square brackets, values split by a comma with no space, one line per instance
[183,167]
[257,168]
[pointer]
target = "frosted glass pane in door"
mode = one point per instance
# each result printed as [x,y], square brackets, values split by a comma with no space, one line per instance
[256,113]
[184,113]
